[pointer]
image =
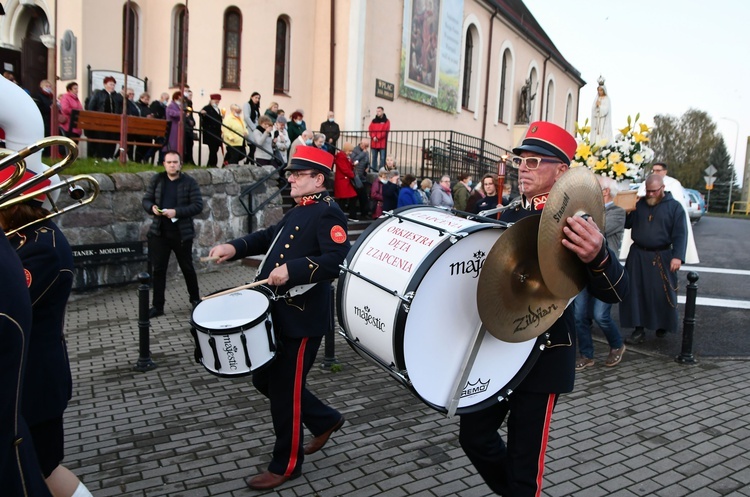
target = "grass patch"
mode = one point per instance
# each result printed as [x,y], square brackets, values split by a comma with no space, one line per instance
[90,165]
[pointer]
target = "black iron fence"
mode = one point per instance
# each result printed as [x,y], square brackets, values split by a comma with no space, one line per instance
[433,153]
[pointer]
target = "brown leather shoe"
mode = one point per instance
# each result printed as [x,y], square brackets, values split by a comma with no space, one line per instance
[267,480]
[318,442]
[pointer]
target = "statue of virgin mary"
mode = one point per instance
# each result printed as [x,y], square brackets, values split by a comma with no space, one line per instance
[601,115]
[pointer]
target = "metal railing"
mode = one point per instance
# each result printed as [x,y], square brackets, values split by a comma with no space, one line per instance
[433,153]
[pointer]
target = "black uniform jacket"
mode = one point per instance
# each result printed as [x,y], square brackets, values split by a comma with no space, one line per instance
[311,239]
[48,263]
[554,371]
[19,469]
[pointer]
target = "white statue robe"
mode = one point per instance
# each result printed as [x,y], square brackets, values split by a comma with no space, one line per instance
[601,121]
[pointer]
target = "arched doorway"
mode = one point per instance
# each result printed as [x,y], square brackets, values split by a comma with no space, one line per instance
[34,53]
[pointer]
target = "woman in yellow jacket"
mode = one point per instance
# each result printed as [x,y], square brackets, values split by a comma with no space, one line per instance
[235,139]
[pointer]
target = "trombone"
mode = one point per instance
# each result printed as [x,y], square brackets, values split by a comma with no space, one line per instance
[15,194]
[18,157]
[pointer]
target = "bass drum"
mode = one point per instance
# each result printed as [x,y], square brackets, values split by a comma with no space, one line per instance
[407,301]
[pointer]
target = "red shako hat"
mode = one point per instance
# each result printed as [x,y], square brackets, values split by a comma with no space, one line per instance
[215,96]
[310,157]
[548,139]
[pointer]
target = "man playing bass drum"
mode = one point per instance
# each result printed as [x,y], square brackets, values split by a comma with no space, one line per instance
[516,468]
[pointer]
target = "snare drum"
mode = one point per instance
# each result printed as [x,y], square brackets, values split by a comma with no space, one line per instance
[234,333]
[408,301]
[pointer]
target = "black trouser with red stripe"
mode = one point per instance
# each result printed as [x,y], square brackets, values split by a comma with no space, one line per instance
[292,404]
[516,469]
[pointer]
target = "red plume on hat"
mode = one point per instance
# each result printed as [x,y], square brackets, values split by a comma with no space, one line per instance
[549,139]
[307,157]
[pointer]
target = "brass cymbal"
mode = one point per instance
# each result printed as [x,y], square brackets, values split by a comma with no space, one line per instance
[514,304]
[577,192]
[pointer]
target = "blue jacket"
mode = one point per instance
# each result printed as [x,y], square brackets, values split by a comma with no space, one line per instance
[312,240]
[408,196]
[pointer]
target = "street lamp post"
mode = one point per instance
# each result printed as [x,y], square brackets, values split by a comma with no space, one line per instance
[734,160]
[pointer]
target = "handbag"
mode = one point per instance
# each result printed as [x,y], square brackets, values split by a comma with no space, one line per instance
[357,182]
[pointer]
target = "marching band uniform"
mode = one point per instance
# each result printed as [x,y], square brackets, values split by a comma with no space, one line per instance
[311,239]
[48,263]
[516,469]
[19,468]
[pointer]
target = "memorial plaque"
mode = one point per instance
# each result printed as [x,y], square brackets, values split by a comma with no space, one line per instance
[68,53]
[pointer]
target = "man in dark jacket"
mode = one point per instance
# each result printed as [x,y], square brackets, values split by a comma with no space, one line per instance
[211,128]
[331,129]
[303,250]
[173,198]
[517,468]
[159,111]
[109,101]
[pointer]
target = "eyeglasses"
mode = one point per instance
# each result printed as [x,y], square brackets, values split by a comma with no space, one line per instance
[654,191]
[297,174]
[531,162]
[656,169]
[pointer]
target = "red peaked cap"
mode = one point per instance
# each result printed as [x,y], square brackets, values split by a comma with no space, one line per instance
[310,157]
[215,96]
[548,139]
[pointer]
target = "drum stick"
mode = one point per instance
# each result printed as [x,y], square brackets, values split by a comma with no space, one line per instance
[209,259]
[236,289]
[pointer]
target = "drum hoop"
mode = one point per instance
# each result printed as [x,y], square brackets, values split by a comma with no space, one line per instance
[511,386]
[265,315]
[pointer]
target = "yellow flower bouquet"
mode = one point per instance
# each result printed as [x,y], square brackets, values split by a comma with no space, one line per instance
[622,160]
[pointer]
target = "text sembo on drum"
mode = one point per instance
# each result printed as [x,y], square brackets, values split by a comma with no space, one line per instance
[407,300]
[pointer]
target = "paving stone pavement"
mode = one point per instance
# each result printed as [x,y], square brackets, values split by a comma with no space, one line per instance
[649,426]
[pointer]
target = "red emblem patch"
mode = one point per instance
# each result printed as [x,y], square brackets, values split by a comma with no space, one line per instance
[27,273]
[338,234]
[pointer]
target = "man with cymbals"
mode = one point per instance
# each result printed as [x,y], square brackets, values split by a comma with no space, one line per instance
[304,249]
[516,468]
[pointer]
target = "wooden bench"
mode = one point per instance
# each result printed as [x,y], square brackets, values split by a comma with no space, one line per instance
[87,120]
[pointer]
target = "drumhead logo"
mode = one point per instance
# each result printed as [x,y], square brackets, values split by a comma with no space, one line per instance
[472,266]
[369,319]
[475,388]
[230,350]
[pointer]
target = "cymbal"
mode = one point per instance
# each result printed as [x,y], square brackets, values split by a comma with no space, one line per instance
[576,193]
[514,303]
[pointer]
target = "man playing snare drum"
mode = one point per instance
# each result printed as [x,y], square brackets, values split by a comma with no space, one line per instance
[516,469]
[305,247]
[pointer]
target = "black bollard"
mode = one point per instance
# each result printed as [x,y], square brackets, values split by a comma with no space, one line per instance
[329,358]
[144,354]
[686,356]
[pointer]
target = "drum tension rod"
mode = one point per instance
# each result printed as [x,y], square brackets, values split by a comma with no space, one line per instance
[388,367]
[376,284]
[441,231]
